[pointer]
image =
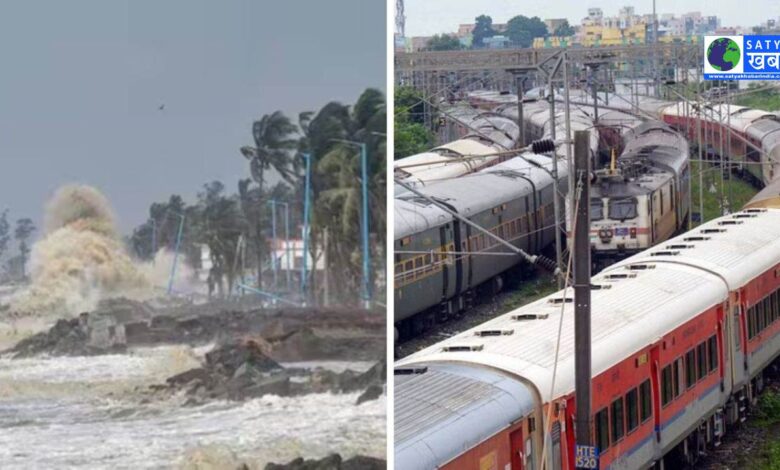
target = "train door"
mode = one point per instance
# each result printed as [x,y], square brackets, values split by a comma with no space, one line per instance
[556,445]
[517,446]
[655,381]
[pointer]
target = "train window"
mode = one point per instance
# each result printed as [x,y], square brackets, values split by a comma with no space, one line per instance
[618,425]
[602,430]
[760,315]
[701,360]
[751,319]
[645,405]
[632,410]
[690,368]
[596,209]
[677,369]
[712,346]
[768,310]
[667,391]
[622,209]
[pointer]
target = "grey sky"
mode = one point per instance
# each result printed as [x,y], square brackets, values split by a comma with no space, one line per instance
[82,81]
[428,17]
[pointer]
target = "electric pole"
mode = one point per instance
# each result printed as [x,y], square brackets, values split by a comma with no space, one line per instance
[582,336]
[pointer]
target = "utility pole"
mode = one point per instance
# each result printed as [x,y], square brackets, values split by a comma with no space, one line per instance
[582,336]
[288,263]
[325,275]
[592,77]
[567,119]
[556,190]
[701,150]
[305,234]
[364,227]
[655,53]
[366,294]
[519,79]
[272,202]
[176,252]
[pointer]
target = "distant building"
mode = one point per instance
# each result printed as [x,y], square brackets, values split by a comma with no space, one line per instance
[496,42]
[418,43]
[553,24]
[595,17]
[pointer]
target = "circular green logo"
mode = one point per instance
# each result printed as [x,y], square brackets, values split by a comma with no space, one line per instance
[723,54]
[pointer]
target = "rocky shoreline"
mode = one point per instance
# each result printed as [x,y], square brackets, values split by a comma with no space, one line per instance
[239,370]
[331,462]
[291,334]
[250,345]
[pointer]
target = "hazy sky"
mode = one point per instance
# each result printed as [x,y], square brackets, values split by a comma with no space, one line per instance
[81,82]
[427,17]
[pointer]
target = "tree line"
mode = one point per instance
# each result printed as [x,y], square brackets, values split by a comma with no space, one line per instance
[236,224]
[15,266]
[520,31]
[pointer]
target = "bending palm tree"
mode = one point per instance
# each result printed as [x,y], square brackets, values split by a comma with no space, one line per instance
[274,140]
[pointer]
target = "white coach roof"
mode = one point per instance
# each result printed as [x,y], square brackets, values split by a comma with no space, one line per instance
[626,317]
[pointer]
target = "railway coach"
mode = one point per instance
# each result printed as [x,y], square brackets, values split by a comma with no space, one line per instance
[440,261]
[760,128]
[476,139]
[682,334]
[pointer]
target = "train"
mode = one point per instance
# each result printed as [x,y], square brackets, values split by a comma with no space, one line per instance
[752,146]
[640,198]
[440,261]
[750,138]
[431,287]
[683,335]
[472,133]
[646,192]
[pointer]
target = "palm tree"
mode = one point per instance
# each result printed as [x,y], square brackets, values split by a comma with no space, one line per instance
[339,196]
[274,141]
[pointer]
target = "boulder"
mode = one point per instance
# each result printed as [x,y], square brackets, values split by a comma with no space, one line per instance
[331,462]
[361,462]
[229,357]
[372,393]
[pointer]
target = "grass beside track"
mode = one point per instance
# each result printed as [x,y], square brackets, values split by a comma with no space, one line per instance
[736,191]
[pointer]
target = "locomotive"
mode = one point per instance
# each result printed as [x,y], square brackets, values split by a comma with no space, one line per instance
[641,198]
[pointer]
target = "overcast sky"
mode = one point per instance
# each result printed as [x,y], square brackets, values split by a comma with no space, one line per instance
[81,82]
[428,17]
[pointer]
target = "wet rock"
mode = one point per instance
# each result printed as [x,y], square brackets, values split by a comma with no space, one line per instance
[361,462]
[188,376]
[331,462]
[66,338]
[240,370]
[372,393]
[229,357]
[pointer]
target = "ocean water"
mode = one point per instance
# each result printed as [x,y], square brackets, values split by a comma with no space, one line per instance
[88,412]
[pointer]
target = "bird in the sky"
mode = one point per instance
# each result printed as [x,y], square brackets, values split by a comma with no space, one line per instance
[162,106]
